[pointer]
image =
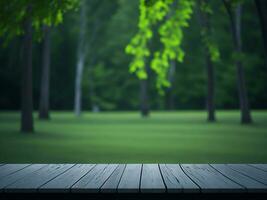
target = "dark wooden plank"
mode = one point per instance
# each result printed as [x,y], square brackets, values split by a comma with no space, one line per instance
[209,179]
[130,179]
[176,180]
[250,184]
[64,182]
[260,166]
[12,178]
[250,171]
[11,168]
[32,182]
[92,181]
[113,181]
[151,180]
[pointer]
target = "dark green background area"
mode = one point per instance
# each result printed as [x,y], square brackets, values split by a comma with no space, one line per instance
[106,69]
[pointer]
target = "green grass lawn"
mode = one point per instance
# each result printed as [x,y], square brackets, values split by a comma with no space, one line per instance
[124,137]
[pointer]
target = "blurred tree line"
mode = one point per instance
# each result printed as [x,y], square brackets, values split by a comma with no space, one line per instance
[106,82]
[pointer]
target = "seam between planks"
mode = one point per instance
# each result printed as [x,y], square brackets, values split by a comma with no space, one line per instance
[99,189]
[121,177]
[27,165]
[140,178]
[24,176]
[251,165]
[248,175]
[169,179]
[200,189]
[246,189]
[94,165]
[162,179]
[38,189]
[116,189]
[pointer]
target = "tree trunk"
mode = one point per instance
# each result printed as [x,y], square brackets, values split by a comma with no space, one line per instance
[262,13]
[242,90]
[144,98]
[241,85]
[44,90]
[205,24]
[26,84]
[210,88]
[80,61]
[78,89]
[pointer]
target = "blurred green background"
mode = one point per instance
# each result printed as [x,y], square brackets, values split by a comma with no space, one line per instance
[124,137]
[107,82]
[110,128]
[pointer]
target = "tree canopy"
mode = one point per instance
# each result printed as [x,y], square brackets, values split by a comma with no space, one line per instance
[173,17]
[14,13]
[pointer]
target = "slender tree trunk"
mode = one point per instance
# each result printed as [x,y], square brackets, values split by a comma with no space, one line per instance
[262,13]
[235,21]
[44,90]
[242,90]
[210,88]
[26,84]
[78,89]
[210,103]
[144,106]
[80,61]
[92,93]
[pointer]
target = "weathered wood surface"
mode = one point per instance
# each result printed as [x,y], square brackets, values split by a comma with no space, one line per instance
[12,178]
[252,172]
[133,178]
[260,166]
[250,184]
[151,180]
[130,180]
[11,168]
[63,182]
[113,181]
[210,180]
[93,181]
[33,181]
[176,180]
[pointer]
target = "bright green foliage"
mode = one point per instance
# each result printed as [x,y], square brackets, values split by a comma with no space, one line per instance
[138,47]
[171,35]
[14,13]
[206,32]
[170,32]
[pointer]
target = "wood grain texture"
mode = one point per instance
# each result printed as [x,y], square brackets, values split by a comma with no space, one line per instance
[111,185]
[133,178]
[250,184]
[93,181]
[260,166]
[12,178]
[209,179]
[251,172]
[151,179]
[32,182]
[176,180]
[130,180]
[64,181]
[11,168]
